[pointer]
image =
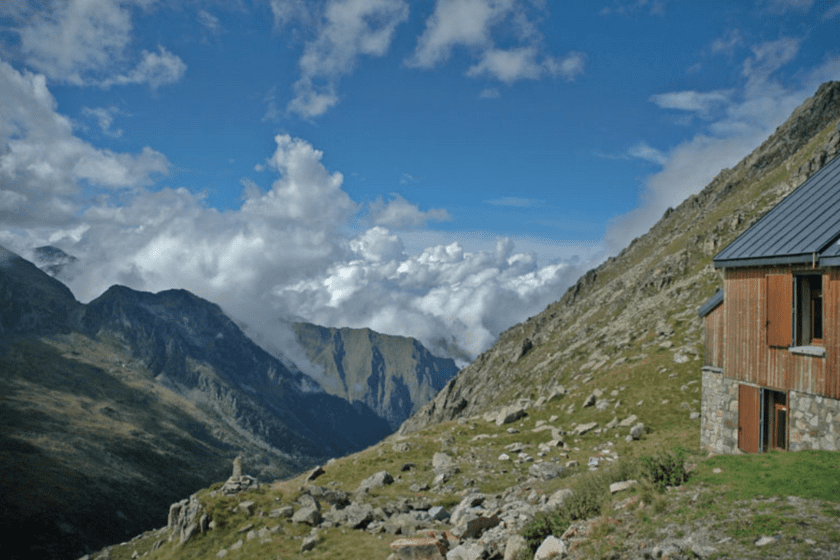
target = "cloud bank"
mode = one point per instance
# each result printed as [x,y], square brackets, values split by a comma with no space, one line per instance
[303,249]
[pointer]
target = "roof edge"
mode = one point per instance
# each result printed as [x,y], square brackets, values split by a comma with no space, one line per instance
[711,304]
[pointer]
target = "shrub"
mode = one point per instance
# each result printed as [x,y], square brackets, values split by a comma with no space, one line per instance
[665,469]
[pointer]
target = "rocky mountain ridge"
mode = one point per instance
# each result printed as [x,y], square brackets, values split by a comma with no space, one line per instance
[139,398]
[393,375]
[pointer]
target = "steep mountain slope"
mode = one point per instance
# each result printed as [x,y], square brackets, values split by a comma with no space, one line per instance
[642,302]
[503,444]
[393,375]
[114,409]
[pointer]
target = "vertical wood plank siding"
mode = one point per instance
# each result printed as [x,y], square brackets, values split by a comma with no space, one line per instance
[714,337]
[747,354]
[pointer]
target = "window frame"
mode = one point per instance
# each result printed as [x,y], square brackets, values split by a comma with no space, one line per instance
[804,312]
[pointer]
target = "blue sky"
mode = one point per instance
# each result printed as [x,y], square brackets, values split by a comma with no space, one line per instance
[441,169]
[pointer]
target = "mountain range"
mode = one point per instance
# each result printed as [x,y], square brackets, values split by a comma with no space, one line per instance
[138,398]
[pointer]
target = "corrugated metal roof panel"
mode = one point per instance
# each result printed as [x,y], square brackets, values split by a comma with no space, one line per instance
[804,223]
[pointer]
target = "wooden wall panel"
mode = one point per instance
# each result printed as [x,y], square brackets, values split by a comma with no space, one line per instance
[748,355]
[714,337]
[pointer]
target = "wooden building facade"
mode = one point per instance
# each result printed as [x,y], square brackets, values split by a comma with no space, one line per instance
[771,376]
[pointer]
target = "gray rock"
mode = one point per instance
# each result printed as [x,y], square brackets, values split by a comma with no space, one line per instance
[314,473]
[551,547]
[442,461]
[247,506]
[590,401]
[472,524]
[545,470]
[510,414]
[283,512]
[354,516]
[308,515]
[637,431]
[309,542]
[584,428]
[377,480]
[515,547]
[438,513]
[558,498]
[629,421]
[469,551]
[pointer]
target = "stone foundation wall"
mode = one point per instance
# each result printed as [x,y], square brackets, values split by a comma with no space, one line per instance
[814,422]
[718,412]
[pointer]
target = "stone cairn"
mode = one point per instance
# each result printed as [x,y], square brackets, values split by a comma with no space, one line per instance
[238,482]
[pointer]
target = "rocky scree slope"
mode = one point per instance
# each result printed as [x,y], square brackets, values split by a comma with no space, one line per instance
[393,375]
[644,300]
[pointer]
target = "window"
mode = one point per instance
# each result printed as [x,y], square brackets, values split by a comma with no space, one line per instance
[809,310]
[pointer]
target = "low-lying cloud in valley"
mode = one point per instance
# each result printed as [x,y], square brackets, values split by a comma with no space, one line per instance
[301,250]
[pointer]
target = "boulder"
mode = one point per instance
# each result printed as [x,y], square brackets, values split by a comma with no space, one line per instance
[551,547]
[629,421]
[510,414]
[515,547]
[354,516]
[183,519]
[442,461]
[309,542]
[314,473]
[309,515]
[558,498]
[590,401]
[621,486]
[377,480]
[419,548]
[581,429]
[472,524]
[470,551]
[545,470]
[637,431]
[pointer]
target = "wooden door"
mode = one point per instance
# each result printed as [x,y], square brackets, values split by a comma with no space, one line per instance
[749,422]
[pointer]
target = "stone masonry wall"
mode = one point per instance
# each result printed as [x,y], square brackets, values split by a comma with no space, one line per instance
[719,413]
[814,422]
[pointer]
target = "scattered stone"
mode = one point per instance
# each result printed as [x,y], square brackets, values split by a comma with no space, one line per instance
[425,548]
[637,431]
[584,428]
[470,551]
[237,545]
[516,547]
[694,416]
[504,457]
[764,541]
[510,414]
[545,471]
[309,515]
[512,431]
[590,401]
[442,461]
[621,486]
[401,447]
[247,506]
[557,499]
[551,547]
[309,542]
[377,480]
[438,513]
[314,473]
[629,421]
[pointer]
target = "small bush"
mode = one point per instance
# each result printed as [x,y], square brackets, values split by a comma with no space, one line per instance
[665,469]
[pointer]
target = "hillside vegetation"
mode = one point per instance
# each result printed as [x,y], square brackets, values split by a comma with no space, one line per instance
[601,387]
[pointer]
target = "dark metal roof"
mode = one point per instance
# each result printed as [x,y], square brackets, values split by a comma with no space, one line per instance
[803,227]
[710,304]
